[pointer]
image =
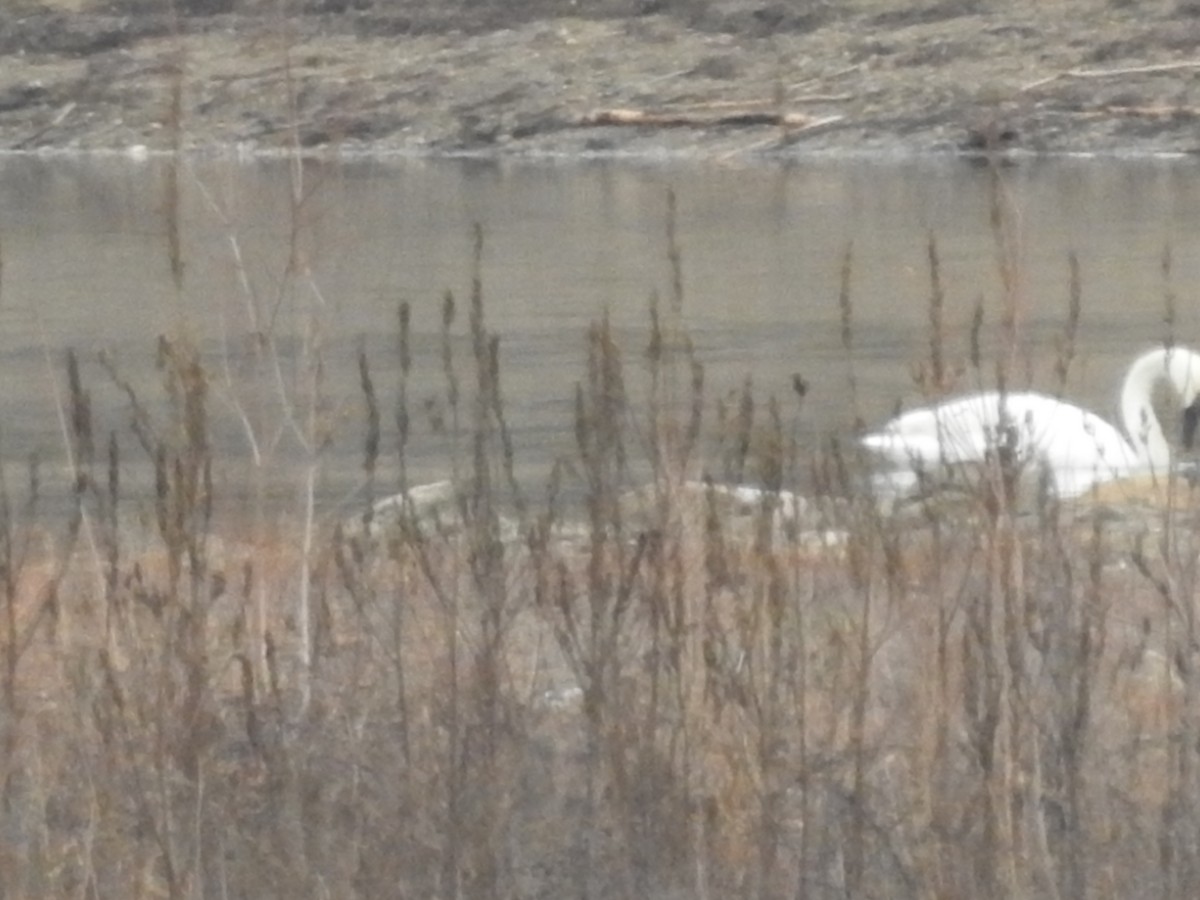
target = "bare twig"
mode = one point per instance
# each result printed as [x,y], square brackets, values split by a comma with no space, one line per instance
[1157,69]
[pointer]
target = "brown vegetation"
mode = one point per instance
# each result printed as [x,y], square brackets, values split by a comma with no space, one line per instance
[615,684]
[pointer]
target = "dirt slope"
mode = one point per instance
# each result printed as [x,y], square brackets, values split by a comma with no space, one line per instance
[715,79]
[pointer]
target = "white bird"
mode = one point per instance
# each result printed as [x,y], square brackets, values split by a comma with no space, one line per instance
[1075,448]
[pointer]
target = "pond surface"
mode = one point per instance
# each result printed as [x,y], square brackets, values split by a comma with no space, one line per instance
[319,260]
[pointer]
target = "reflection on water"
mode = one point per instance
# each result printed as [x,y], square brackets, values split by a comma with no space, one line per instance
[85,265]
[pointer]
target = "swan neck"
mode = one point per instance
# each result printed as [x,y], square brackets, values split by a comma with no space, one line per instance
[1137,410]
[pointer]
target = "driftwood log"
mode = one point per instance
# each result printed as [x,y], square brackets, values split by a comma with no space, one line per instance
[738,119]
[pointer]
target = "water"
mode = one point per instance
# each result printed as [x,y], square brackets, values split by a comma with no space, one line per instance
[85,265]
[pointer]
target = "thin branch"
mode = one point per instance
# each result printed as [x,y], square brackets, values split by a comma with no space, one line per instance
[1157,69]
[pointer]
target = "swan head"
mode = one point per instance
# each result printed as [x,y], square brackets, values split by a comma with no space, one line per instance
[1191,418]
[1183,375]
[1176,369]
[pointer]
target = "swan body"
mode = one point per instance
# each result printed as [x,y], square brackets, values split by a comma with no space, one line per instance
[1076,449]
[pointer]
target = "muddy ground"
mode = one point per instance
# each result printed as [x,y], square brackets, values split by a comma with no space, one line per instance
[706,78]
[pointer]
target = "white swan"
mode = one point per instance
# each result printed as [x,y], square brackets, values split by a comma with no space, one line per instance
[1075,448]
